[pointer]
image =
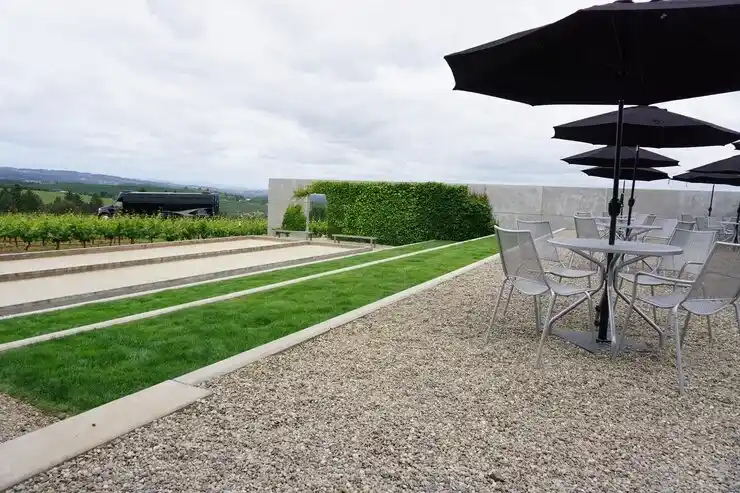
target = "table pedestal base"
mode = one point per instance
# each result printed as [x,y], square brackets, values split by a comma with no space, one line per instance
[587,341]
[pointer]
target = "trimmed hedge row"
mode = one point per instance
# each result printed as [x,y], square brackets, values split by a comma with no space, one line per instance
[401,213]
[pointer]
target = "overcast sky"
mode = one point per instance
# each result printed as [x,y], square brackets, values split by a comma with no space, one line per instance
[237,91]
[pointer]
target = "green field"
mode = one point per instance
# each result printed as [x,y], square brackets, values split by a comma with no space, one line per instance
[80,372]
[48,197]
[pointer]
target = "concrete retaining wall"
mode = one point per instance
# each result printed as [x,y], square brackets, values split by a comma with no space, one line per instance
[556,204]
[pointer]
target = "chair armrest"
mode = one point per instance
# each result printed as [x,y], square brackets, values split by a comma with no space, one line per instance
[690,262]
[671,280]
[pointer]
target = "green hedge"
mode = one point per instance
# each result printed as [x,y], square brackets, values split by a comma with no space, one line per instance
[401,213]
[294,218]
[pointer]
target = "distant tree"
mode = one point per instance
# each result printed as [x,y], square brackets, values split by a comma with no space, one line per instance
[95,203]
[30,202]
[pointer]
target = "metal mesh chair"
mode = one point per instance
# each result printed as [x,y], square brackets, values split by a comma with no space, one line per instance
[696,246]
[716,287]
[639,219]
[649,220]
[687,225]
[664,234]
[523,272]
[583,214]
[688,218]
[586,227]
[542,232]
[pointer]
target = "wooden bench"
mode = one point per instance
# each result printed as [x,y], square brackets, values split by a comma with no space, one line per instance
[287,233]
[371,239]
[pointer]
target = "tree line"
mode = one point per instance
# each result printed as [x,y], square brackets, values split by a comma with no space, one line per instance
[20,199]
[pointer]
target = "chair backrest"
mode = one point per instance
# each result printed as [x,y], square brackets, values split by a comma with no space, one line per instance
[649,220]
[639,219]
[668,226]
[519,256]
[687,225]
[696,247]
[586,227]
[702,223]
[583,214]
[719,279]
[541,232]
[687,218]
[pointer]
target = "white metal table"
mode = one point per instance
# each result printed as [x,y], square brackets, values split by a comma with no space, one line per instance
[637,251]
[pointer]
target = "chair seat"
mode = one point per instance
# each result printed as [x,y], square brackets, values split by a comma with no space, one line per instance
[571,273]
[665,301]
[567,290]
[705,307]
[528,287]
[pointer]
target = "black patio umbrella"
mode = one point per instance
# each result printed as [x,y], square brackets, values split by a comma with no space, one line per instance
[712,179]
[640,174]
[737,146]
[604,157]
[646,126]
[730,165]
[619,53]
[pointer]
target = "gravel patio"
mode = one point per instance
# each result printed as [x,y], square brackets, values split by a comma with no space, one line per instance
[410,399]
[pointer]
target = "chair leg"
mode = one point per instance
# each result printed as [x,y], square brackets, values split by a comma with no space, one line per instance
[655,312]
[685,327]
[737,316]
[508,298]
[709,329]
[537,315]
[495,312]
[679,361]
[545,331]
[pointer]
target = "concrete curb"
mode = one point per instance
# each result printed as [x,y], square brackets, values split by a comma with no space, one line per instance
[47,447]
[76,269]
[311,261]
[39,451]
[135,246]
[63,301]
[205,301]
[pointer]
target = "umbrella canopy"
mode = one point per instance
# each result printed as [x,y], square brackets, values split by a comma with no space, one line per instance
[639,53]
[737,146]
[730,165]
[640,174]
[647,126]
[604,158]
[711,179]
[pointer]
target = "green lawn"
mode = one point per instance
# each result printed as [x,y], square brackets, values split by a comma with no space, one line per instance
[80,372]
[14,329]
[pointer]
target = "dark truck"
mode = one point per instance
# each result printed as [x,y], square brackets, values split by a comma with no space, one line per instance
[164,203]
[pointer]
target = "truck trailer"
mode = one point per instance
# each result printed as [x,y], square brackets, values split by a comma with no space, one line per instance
[163,203]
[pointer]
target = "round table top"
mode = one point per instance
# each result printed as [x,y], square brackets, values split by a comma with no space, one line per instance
[639,227]
[619,246]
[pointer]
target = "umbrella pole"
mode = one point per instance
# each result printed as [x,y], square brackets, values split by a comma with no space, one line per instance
[737,220]
[632,193]
[603,335]
[711,200]
[621,198]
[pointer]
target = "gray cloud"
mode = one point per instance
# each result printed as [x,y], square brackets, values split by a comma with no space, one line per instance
[235,92]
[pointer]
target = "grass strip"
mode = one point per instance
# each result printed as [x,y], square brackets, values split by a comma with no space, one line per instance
[17,328]
[77,373]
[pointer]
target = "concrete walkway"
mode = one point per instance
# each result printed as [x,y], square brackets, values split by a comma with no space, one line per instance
[36,290]
[15,266]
